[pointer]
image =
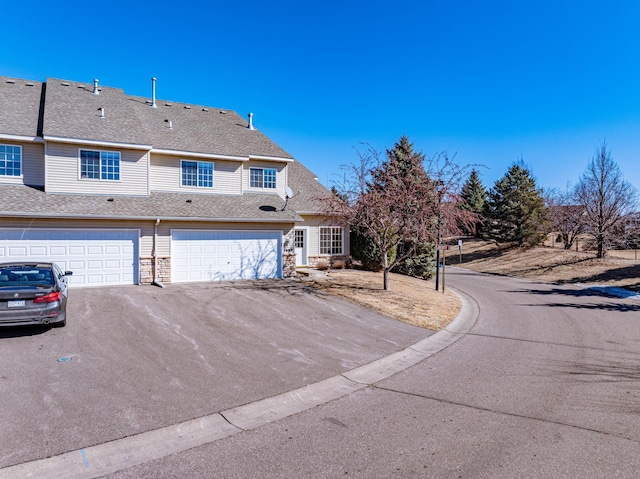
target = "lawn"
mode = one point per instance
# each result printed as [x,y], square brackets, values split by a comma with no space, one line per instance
[411,300]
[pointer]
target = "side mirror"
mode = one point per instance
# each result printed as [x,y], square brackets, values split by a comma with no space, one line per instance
[68,273]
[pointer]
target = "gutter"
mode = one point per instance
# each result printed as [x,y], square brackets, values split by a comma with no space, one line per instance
[109,144]
[151,218]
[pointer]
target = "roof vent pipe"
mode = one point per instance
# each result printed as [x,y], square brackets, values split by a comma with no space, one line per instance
[101,110]
[170,124]
[95,87]
[250,126]
[153,93]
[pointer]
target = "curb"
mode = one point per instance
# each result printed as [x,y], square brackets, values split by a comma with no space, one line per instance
[113,456]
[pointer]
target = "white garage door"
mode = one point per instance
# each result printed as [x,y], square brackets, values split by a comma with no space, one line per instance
[225,255]
[96,257]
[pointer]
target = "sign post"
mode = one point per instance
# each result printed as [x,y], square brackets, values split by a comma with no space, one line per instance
[444,263]
[460,250]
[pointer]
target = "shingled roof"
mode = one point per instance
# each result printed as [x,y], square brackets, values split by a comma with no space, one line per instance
[25,201]
[308,192]
[20,107]
[72,112]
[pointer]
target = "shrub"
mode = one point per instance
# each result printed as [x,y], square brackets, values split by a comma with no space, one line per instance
[364,250]
[421,264]
[322,264]
[338,264]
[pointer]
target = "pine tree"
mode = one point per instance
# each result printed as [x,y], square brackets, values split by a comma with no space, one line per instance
[516,207]
[474,197]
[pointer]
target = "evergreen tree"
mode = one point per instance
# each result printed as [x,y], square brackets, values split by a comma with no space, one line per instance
[516,208]
[474,197]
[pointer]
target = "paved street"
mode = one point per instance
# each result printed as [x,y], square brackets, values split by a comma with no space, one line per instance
[545,384]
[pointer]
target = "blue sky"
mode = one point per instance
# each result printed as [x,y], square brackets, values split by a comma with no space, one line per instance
[491,81]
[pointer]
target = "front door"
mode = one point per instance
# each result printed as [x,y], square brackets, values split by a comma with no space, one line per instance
[300,243]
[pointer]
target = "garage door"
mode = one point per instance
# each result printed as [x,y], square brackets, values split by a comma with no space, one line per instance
[96,257]
[225,255]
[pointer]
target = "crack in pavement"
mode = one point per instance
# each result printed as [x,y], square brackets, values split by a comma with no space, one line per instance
[506,413]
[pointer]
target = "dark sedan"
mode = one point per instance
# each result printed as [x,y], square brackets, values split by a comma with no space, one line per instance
[33,293]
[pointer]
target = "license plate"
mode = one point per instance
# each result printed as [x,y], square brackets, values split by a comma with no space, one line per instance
[18,303]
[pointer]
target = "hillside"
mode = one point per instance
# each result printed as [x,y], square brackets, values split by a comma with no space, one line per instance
[550,264]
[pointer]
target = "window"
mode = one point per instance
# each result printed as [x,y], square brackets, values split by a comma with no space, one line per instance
[197,173]
[262,178]
[299,238]
[10,160]
[331,240]
[99,165]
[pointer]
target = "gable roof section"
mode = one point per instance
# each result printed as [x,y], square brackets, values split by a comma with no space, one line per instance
[308,192]
[72,113]
[203,130]
[20,108]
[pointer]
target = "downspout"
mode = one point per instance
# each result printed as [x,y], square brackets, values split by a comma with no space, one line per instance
[156,282]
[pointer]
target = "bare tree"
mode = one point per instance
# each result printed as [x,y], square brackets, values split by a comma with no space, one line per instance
[451,216]
[606,197]
[565,217]
[390,199]
[393,200]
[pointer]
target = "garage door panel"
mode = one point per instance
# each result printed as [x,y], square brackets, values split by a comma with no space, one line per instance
[95,256]
[225,255]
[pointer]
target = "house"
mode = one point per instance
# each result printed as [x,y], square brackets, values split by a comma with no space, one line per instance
[130,190]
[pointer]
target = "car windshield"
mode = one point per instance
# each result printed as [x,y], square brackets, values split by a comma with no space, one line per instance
[26,276]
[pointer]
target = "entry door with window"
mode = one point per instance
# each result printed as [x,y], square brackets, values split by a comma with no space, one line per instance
[300,244]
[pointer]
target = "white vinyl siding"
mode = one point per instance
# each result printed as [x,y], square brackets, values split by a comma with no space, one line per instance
[280,179]
[314,223]
[166,175]
[32,165]
[63,172]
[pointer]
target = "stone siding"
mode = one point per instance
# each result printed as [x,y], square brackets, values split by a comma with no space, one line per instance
[164,270]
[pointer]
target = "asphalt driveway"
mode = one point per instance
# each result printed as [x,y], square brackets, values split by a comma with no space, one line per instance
[133,359]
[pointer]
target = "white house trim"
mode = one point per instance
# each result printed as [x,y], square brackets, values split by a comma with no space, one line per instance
[211,156]
[108,144]
[270,158]
[30,139]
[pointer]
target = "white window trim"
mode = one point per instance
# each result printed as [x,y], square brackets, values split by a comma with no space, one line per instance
[100,178]
[213,175]
[21,175]
[320,253]
[263,188]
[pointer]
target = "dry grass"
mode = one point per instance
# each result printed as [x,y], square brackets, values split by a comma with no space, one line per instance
[554,265]
[410,300]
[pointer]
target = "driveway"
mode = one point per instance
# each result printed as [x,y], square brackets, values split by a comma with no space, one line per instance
[134,359]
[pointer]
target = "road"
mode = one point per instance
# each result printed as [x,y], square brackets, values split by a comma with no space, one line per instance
[546,385]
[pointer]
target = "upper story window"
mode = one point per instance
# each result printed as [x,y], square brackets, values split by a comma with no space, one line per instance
[100,165]
[262,177]
[197,173]
[10,160]
[331,240]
